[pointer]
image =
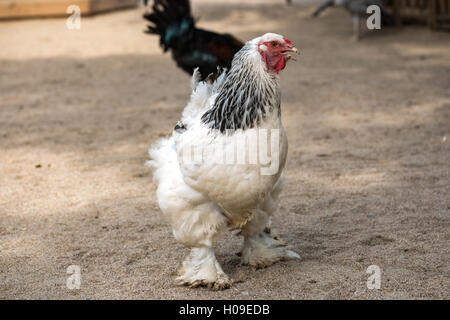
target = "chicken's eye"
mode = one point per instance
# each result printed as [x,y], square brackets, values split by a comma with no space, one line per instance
[274,44]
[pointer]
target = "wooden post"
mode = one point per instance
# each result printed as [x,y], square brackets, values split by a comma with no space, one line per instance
[432,14]
[13,9]
[397,13]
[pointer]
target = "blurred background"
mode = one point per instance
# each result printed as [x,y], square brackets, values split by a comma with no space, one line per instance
[368,123]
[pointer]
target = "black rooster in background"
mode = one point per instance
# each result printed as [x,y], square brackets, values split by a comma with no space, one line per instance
[191,47]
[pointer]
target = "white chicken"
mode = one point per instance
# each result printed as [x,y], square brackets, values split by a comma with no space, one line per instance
[214,171]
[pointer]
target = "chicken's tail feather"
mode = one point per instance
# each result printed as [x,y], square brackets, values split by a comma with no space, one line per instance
[171,20]
[163,158]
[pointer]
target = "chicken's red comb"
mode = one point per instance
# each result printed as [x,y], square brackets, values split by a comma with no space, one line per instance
[287,40]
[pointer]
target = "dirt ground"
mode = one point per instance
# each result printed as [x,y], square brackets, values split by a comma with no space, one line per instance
[367,177]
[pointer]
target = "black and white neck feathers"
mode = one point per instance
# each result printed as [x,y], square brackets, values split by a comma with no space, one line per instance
[248,95]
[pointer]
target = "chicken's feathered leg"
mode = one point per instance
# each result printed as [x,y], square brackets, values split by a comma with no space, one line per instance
[201,268]
[260,248]
[356,27]
[322,7]
[196,221]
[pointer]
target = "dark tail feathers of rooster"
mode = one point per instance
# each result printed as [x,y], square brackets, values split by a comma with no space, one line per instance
[172,21]
[191,47]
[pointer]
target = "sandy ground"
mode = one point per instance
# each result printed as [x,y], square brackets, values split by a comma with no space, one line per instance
[367,173]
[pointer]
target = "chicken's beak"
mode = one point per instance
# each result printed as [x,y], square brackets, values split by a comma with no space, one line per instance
[291,50]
